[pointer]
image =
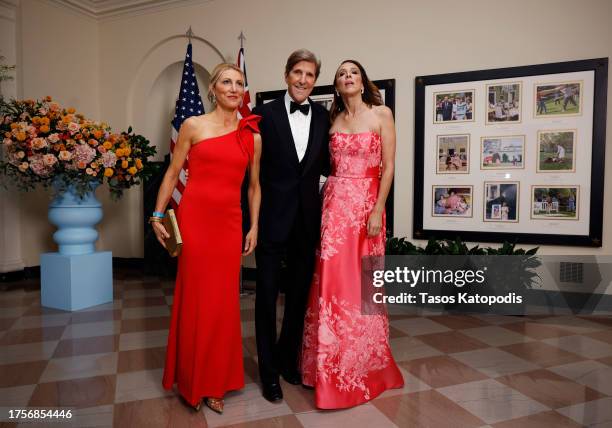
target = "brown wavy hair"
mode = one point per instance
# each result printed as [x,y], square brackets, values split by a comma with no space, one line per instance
[371,95]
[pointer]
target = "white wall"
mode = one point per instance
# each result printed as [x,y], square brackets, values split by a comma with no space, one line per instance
[10,221]
[108,69]
[59,57]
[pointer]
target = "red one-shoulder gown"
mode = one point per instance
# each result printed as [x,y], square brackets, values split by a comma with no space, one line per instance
[204,354]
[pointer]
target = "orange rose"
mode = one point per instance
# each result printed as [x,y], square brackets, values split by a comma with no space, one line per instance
[44,120]
[124,164]
[108,172]
[139,163]
[98,133]
[21,136]
[132,170]
[36,120]
[81,165]
[71,110]
[107,145]
[44,129]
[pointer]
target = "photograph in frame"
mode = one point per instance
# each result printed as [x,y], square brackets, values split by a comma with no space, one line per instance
[452,201]
[455,106]
[501,201]
[554,202]
[557,151]
[558,99]
[453,154]
[504,102]
[502,152]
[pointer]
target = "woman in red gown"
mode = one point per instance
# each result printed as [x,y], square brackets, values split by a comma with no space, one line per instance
[204,354]
[345,354]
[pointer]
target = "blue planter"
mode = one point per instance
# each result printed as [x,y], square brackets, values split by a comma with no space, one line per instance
[77,276]
[75,219]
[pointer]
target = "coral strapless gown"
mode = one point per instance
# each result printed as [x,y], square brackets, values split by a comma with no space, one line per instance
[346,355]
[204,354]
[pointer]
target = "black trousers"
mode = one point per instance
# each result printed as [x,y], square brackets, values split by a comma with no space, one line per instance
[298,251]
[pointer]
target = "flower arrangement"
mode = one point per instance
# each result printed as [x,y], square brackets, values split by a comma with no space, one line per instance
[46,144]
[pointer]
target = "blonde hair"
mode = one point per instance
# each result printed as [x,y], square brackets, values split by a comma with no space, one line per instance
[216,74]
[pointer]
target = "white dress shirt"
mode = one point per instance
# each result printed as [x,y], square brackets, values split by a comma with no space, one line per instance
[300,126]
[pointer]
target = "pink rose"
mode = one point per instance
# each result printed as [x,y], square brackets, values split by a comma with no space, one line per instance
[39,143]
[49,160]
[65,155]
[73,127]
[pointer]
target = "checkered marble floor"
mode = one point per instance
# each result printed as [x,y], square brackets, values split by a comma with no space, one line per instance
[106,363]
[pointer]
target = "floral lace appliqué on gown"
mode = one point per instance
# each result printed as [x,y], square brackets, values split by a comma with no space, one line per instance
[346,355]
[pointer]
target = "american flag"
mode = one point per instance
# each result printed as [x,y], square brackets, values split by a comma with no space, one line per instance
[188,103]
[245,106]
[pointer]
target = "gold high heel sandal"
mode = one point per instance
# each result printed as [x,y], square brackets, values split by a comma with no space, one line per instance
[196,407]
[215,404]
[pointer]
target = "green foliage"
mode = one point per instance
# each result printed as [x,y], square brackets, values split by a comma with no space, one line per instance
[447,247]
[524,272]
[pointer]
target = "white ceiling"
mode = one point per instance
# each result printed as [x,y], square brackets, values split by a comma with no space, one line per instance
[111,8]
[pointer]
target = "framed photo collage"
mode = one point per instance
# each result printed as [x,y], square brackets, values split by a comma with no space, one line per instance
[514,154]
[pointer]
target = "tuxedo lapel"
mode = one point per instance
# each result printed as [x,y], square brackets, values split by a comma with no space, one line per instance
[314,138]
[283,129]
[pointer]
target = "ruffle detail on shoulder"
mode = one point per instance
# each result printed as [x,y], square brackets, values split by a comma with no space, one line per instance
[246,128]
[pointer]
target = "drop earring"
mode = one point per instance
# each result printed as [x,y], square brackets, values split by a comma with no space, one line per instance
[362,91]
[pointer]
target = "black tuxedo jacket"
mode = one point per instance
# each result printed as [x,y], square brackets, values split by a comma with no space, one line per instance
[289,187]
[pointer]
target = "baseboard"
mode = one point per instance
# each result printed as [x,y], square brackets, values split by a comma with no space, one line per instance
[12,276]
[33,272]
[249,274]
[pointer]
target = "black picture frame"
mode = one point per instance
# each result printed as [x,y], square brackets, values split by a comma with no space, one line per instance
[323,94]
[594,237]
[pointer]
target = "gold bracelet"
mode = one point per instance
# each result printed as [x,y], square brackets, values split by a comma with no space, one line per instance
[155,219]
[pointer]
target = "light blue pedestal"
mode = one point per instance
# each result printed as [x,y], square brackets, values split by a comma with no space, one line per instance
[73,282]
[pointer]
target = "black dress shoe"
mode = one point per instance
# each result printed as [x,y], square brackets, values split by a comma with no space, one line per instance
[272,392]
[292,377]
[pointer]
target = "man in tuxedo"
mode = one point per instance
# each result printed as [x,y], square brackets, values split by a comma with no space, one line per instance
[295,153]
[447,109]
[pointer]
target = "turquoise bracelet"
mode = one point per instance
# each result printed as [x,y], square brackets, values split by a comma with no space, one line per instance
[158,214]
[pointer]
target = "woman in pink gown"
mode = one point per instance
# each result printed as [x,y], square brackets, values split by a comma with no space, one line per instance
[346,355]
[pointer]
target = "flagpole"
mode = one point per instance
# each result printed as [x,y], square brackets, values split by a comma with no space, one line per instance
[189,34]
[241,65]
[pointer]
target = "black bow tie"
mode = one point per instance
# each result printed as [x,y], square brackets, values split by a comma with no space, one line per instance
[304,108]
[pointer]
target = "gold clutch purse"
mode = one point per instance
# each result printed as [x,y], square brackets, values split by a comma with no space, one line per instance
[174,243]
